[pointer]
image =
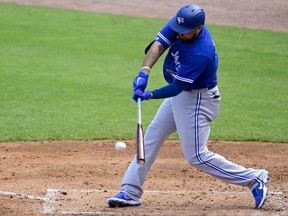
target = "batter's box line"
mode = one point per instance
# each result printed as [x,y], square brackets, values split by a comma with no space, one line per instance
[22,195]
[51,192]
[50,199]
[155,191]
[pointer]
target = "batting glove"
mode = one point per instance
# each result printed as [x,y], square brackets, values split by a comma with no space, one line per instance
[143,95]
[140,82]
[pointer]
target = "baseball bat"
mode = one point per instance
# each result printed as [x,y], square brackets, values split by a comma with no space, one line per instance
[139,135]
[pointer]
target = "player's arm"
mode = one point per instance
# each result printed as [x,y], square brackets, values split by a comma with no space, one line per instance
[153,54]
[164,39]
[155,51]
[171,90]
[189,71]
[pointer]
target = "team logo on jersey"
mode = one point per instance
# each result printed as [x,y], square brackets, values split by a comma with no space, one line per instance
[176,57]
[180,20]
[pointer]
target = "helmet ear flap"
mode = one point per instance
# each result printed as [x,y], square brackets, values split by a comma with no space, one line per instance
[175,34]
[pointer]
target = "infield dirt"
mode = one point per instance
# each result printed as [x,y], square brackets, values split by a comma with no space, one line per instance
[76,177]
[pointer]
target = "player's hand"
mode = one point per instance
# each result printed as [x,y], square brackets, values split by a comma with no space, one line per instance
[140,82]
[143,95]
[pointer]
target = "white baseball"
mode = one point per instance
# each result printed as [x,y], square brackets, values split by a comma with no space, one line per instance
[120,146]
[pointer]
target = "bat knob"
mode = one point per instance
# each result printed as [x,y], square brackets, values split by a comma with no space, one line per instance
[141,161]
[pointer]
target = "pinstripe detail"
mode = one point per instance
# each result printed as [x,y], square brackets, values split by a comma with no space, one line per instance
[164,38]
[184,79]
[197,146]
[198,103]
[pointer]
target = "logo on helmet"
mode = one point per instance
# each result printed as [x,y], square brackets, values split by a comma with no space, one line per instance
[180,20]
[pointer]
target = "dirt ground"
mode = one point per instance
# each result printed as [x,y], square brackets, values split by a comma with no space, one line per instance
[76,177]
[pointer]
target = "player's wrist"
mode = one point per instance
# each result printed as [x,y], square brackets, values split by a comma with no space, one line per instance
[146,69]
[151,97]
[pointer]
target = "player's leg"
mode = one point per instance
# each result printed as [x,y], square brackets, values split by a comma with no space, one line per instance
[157,132]
[193,114]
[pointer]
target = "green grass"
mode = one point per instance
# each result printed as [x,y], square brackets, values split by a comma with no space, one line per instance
[68,75]
[253,79]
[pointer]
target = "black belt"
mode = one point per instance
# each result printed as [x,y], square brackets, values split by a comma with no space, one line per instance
[208,88]
[212,86]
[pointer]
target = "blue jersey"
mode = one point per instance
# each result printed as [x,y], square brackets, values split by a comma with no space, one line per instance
[193,62]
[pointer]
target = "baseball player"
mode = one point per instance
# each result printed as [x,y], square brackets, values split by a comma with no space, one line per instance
[192,101]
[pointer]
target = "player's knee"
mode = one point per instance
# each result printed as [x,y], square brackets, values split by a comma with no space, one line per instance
[199,159]
[194,162]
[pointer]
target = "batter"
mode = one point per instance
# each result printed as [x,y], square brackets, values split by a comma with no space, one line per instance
[192,101]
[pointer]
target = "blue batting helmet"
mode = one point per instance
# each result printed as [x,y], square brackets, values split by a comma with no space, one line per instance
[187,18]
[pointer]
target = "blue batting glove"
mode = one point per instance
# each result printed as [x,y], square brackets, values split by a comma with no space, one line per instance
[143,95]
[140,82]
[146,95]
[136,94]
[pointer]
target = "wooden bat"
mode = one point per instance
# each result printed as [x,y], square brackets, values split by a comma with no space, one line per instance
[139,136]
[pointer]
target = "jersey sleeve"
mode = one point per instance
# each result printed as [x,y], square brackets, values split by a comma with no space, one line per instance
[166,36]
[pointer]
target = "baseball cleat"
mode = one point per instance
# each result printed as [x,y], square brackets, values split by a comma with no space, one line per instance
[260,192]
[121,200]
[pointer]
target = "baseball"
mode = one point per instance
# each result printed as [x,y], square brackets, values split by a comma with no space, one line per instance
[120,146]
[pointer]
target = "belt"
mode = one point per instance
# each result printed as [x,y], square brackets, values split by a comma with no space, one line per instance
[207,88]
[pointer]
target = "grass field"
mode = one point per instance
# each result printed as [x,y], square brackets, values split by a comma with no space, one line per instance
[68,75]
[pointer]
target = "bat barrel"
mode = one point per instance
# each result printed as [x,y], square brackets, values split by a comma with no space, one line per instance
[140,145]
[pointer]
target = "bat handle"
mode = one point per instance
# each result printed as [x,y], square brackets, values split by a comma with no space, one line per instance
[139,102]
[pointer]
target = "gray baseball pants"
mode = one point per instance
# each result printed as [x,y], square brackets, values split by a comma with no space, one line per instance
[190,113]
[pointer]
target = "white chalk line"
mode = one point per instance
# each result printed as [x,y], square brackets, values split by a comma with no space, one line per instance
[154,191]
[51,198]
[48,206]
[6,193]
